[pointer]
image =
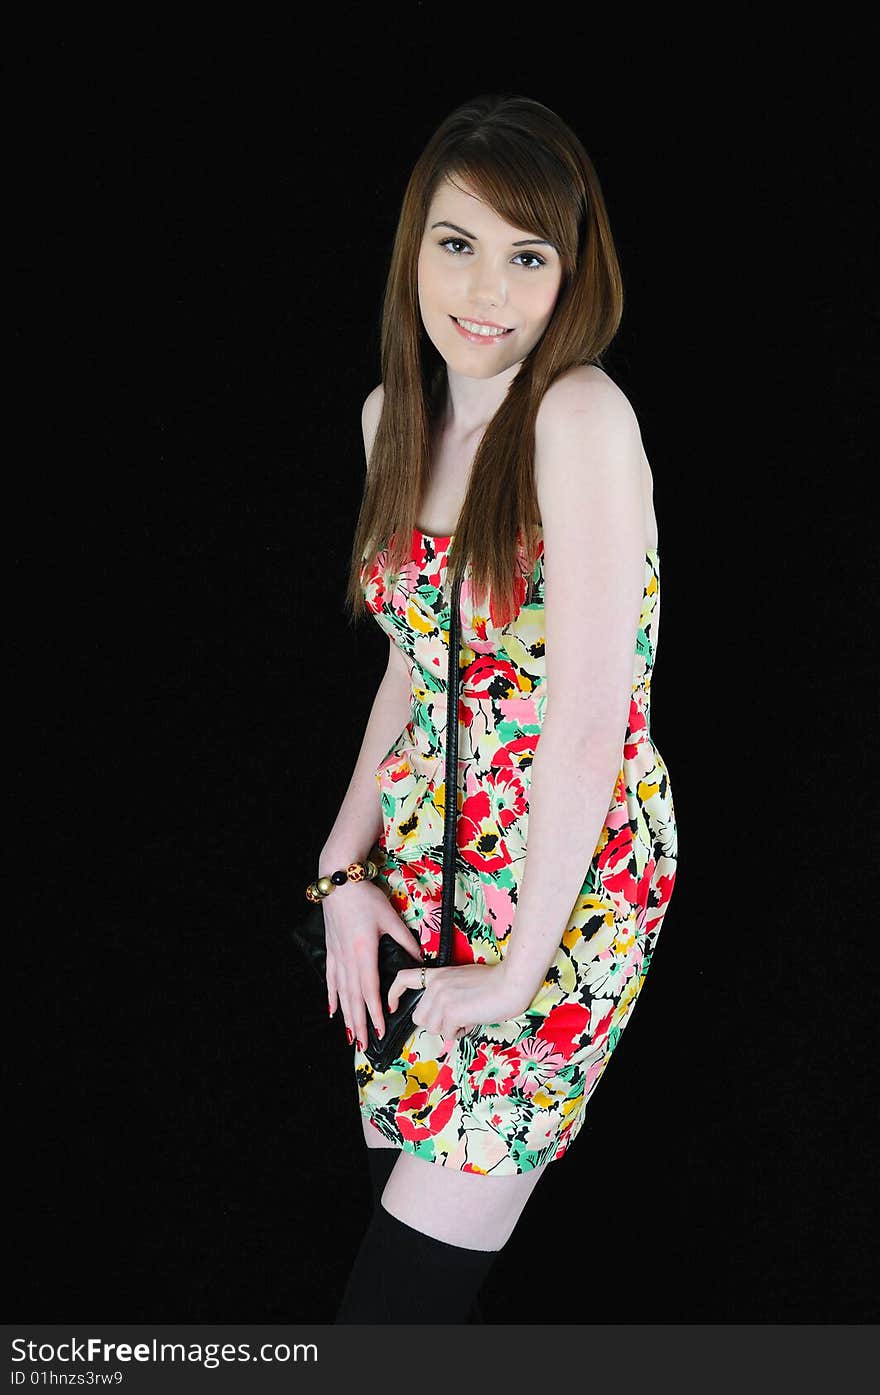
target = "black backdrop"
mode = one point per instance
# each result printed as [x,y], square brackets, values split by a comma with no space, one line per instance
[204,220]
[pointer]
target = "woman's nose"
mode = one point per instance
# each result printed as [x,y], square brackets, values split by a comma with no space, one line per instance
[489,295]
[488,287]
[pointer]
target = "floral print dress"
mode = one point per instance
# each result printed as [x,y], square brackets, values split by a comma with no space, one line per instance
[509,1096]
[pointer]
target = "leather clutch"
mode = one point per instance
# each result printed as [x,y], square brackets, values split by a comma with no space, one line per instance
[381,1051]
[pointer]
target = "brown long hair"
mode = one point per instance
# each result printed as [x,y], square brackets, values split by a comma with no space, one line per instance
[530,167]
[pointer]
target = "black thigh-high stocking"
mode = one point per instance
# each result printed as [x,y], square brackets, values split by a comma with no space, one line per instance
[400,1275]
[380,1162]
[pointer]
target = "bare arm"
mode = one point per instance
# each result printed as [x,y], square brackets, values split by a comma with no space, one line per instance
[356,915]
[588,453]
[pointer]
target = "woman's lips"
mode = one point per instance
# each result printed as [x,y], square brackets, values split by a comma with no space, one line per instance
[480,338]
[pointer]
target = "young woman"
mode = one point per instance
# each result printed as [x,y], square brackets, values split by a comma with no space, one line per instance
[497,446]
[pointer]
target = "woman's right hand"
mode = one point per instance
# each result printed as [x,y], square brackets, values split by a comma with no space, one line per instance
[356,916]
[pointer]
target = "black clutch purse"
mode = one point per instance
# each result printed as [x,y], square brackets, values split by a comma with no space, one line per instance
[309,937]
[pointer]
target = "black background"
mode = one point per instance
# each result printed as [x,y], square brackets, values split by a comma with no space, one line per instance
[203,223]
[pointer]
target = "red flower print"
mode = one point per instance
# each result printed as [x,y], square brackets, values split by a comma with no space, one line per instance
[489,676]
[615,863]
[562,1025]
[664,888]
[462,949]
[643,889]
[399,900]
[493,1070]
[374,593]
[418,1118]
[508,795]
[401,771]
[600,1028]
[517,754]
[480,836]
[422,1113]
[520,586]
[637,729]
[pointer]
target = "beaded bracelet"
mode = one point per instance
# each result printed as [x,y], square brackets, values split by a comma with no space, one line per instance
[354,872]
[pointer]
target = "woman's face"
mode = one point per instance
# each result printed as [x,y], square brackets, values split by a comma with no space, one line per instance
[474,271]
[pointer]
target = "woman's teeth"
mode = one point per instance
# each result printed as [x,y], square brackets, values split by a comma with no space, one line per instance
[473,328]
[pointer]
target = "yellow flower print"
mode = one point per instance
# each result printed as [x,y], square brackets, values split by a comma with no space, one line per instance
[627,997]
[421,1076]
[625,937]
[420,622]
[545,1099]
[646,790]
[572,1106]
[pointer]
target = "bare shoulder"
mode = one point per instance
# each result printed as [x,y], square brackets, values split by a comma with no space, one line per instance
[585,391]
[583,419]
[588,460]
[370,414]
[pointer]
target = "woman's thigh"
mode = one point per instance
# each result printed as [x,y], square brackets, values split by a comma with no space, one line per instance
[471,1209]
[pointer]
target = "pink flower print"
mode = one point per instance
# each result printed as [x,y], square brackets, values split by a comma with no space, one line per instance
[539,1062]
[608,973]
[403,583]
[519,710]
[593,1073]
[499,909]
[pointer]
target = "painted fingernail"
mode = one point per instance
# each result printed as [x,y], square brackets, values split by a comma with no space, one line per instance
[359,1047]
[348,1034]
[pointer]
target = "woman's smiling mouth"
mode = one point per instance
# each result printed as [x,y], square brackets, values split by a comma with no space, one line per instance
[478,333]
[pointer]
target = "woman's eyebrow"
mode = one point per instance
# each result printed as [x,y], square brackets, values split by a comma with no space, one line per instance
[464,232]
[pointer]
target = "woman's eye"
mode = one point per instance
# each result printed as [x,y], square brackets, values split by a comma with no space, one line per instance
[446,243]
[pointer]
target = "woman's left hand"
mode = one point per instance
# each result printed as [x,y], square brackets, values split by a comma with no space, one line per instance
[458,997]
